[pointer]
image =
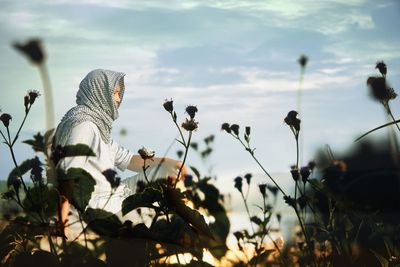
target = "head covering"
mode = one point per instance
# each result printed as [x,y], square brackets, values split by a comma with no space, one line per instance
[95,103]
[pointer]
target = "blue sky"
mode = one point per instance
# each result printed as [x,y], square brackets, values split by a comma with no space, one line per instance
[235,60]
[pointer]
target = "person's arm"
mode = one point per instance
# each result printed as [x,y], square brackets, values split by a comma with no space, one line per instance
[65,188]
[136,164]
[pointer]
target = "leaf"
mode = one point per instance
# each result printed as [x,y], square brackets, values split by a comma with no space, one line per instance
[44,199]
[83,187]
[102,222]
[143,199]
[377,128]
[190,216]
[384,262]
[37,143]
[77,150]
[23,168]
[195,171]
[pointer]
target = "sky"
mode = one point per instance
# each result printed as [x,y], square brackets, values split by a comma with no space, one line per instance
[235,60]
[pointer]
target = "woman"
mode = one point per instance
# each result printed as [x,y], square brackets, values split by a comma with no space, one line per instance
[90,122]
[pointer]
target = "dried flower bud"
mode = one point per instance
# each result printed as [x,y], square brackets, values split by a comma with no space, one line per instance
[238,183]
[146,153]
[112,178]
[272,189]
[247,130]
[179,153]
[226,127]
[380,90]
[311,165]
[303,61]
[33,50]
[209,139]
[292,120]
[295,174]
[262,188]
[26,103]
[191,110]
[290,201]
[190,125]
[248,178]
[235,129]
[168,105]
[194,145]
[33,94]
[5,118]
[381,66]
[305,173]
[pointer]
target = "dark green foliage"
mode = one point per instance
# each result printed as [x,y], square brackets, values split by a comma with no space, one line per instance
[83,186]
[146,198]
[102,222]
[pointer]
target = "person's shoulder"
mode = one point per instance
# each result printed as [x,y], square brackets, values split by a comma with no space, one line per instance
[85,128]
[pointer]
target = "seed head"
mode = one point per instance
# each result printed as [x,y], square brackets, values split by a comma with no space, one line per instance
[248,178]
[5,118]
[262,188]
[190,125]
[33,94]
[305,173]
[295,174]
[168,105]
[235,129]
[225,127]
[380,90]
[32,49]
[191,110]
[381,66]
[238,183]
[247,130]
[146,153]
[303,61]
[292,120]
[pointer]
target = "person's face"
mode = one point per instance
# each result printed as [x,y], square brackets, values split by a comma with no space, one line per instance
[117,95]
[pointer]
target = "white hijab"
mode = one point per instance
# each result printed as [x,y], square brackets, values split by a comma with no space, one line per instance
[95,103]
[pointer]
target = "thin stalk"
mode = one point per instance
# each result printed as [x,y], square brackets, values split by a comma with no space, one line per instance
[248,212]
[185,156]
[179,129]
[305,236]
[20,127]
[259,164]
[20,176]
[389,111]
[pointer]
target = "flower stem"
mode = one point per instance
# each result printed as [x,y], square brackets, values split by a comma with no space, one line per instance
[179,129]
[391,115]
[259,164]
[20,127]
[184,157]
